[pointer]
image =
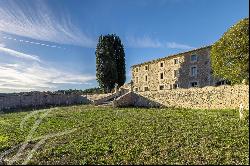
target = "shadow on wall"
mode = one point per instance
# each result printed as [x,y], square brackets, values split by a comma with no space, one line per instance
[132,99]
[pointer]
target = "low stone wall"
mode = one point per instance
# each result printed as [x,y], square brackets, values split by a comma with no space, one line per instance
[94,97]
[39,99]
[222,97]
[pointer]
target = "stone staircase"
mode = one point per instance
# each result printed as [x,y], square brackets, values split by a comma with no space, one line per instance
[107,100]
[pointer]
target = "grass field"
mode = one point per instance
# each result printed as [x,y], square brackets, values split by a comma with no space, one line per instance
[94,135]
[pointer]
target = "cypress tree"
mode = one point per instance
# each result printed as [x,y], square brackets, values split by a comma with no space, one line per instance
[120,62]
[110,62]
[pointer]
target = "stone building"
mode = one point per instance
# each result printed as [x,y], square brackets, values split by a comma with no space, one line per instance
[183,70]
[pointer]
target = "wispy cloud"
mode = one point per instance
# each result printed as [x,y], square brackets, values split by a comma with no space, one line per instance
[18,54]
[2,45]
[30,73]
[178,45]
[37,21]
[32,42]
[143,42]
[24,77]
[148,42]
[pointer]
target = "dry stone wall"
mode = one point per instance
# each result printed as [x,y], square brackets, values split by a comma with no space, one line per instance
[210,97]
[39,99]
[222,97]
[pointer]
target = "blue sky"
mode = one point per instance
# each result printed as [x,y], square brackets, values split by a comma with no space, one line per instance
[50,45]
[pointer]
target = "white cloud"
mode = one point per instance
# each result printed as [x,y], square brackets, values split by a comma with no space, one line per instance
[18,54]
[36,21]
[30,73]
[144,42]
[2,45]
[30,42]
[178,46]
[17,77]
[148,42]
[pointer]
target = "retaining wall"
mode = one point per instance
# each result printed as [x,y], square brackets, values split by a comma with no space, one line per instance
[222,97]
[39,99]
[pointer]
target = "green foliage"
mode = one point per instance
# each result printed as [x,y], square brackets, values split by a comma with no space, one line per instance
[120,61]
[69,91]
[110,62]
[230,54]
[93,91]
[106,72]
[127,136]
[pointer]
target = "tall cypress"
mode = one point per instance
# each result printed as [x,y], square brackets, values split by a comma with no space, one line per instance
[110,62]
[120,62]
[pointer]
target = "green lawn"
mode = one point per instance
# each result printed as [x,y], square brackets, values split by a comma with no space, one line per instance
[126,136]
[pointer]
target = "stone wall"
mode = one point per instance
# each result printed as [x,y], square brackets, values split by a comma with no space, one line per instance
[133,99]
[222,97]
[39,99]
[176,71]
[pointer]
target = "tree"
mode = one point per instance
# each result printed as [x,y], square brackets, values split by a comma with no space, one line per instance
[106,72]
[230,54]
[120,62]
[110,62]
[92,91]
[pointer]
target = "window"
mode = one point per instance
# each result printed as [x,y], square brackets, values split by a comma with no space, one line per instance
[194,58]
[175,86]
[194,71]
[136,89]
[161,64]
[136,70]
[176,73]
[194,84]
[161,76]
[146,67]
[161,87]
[176,61]
[136,79]
[146,89]
[146,78]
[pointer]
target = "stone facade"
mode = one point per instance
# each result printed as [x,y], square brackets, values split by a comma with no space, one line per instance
[183,70]
[210,97]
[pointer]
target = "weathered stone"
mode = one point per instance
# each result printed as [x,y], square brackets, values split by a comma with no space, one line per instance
[174,71]
[222,97]
[38,99]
